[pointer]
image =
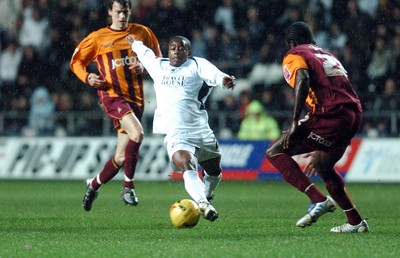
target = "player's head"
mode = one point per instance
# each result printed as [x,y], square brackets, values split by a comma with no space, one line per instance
[299,33]
[120,12]
[179,49]
[124,3]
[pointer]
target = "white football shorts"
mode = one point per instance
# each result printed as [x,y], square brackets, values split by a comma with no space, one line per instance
[203,144]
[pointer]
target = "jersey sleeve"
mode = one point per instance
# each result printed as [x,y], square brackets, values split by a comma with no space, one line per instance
[210,73]
[291,63]
[83,55]
[147,57]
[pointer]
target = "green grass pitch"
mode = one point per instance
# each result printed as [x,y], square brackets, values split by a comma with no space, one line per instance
[257,219]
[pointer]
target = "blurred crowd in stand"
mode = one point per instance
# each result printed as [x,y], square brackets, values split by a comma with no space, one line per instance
[244,38]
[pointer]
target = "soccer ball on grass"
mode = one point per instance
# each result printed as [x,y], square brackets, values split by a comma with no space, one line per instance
[184,213]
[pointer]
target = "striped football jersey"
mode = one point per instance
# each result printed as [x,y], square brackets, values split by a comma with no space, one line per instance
[112,54]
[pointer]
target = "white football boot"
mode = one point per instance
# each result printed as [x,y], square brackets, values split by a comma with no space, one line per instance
[316,210]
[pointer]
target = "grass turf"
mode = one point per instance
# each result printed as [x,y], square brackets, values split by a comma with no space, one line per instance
[257,219]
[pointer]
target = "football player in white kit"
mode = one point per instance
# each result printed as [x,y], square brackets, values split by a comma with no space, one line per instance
[182,84]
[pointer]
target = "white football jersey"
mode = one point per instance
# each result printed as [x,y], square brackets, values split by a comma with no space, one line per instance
[181,92]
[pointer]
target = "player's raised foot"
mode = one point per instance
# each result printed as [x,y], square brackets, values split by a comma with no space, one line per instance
[208,211]
[89,197]
[129,196]
[315,211]
[348,228]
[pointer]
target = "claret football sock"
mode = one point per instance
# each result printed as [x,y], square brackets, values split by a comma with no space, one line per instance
[336,187]
[109,171]
[292,173]
[131,159]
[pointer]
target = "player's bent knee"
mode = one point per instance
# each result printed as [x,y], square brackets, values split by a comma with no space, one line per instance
[119,159]
[215,172]
[269,153]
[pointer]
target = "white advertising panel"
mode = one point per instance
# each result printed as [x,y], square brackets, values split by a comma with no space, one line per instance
[75,158]
[377,160]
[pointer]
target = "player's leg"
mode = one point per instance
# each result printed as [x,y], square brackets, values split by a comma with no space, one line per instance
[292,173]
[211,176]
[183,160]
[186,163]
[110,169]
[131,141]
[210,159]
[290,170]
[324,163]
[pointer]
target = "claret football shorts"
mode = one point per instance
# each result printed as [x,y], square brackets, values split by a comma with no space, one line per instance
[331,130]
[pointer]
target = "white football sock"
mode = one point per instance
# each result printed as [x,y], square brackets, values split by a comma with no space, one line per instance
[210,183]
[194,186]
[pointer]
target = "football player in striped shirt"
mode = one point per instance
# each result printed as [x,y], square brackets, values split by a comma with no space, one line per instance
[120,90]
[320,82]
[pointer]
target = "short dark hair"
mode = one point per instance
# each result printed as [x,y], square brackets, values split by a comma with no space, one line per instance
[300,33]
[125,3]
[185,41]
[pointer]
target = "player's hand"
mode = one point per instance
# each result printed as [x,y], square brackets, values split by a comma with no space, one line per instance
[130,39]
[97,82]
[137,67]
[289,134]
[309,169]
[229,81]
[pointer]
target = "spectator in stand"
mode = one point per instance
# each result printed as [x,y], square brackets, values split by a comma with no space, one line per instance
[212,37]
[321,12]
[168,13]
[227,53]
[88,124]
[30,72]
[41,113]
[10,60]
[199,45]
[19,105]
[337,37]
[351,61]
[247,56]
[379,66]
[357,26]
[244,100]
[270,98]
[255,27]
[321,35]
[64,101]
[388,100]
[382,128]
[257,124]
[9,10]
[395,65]
[229,105]
[369,6]
[34,32]
[224,17]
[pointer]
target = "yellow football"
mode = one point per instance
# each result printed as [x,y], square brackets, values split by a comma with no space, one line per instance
[184,213]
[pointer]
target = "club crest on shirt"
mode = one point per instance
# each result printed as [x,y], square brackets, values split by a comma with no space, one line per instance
[107,45]
[286,73]
[119,110]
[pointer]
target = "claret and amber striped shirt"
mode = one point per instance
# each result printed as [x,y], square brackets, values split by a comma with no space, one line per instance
[112,54]
[329,84]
